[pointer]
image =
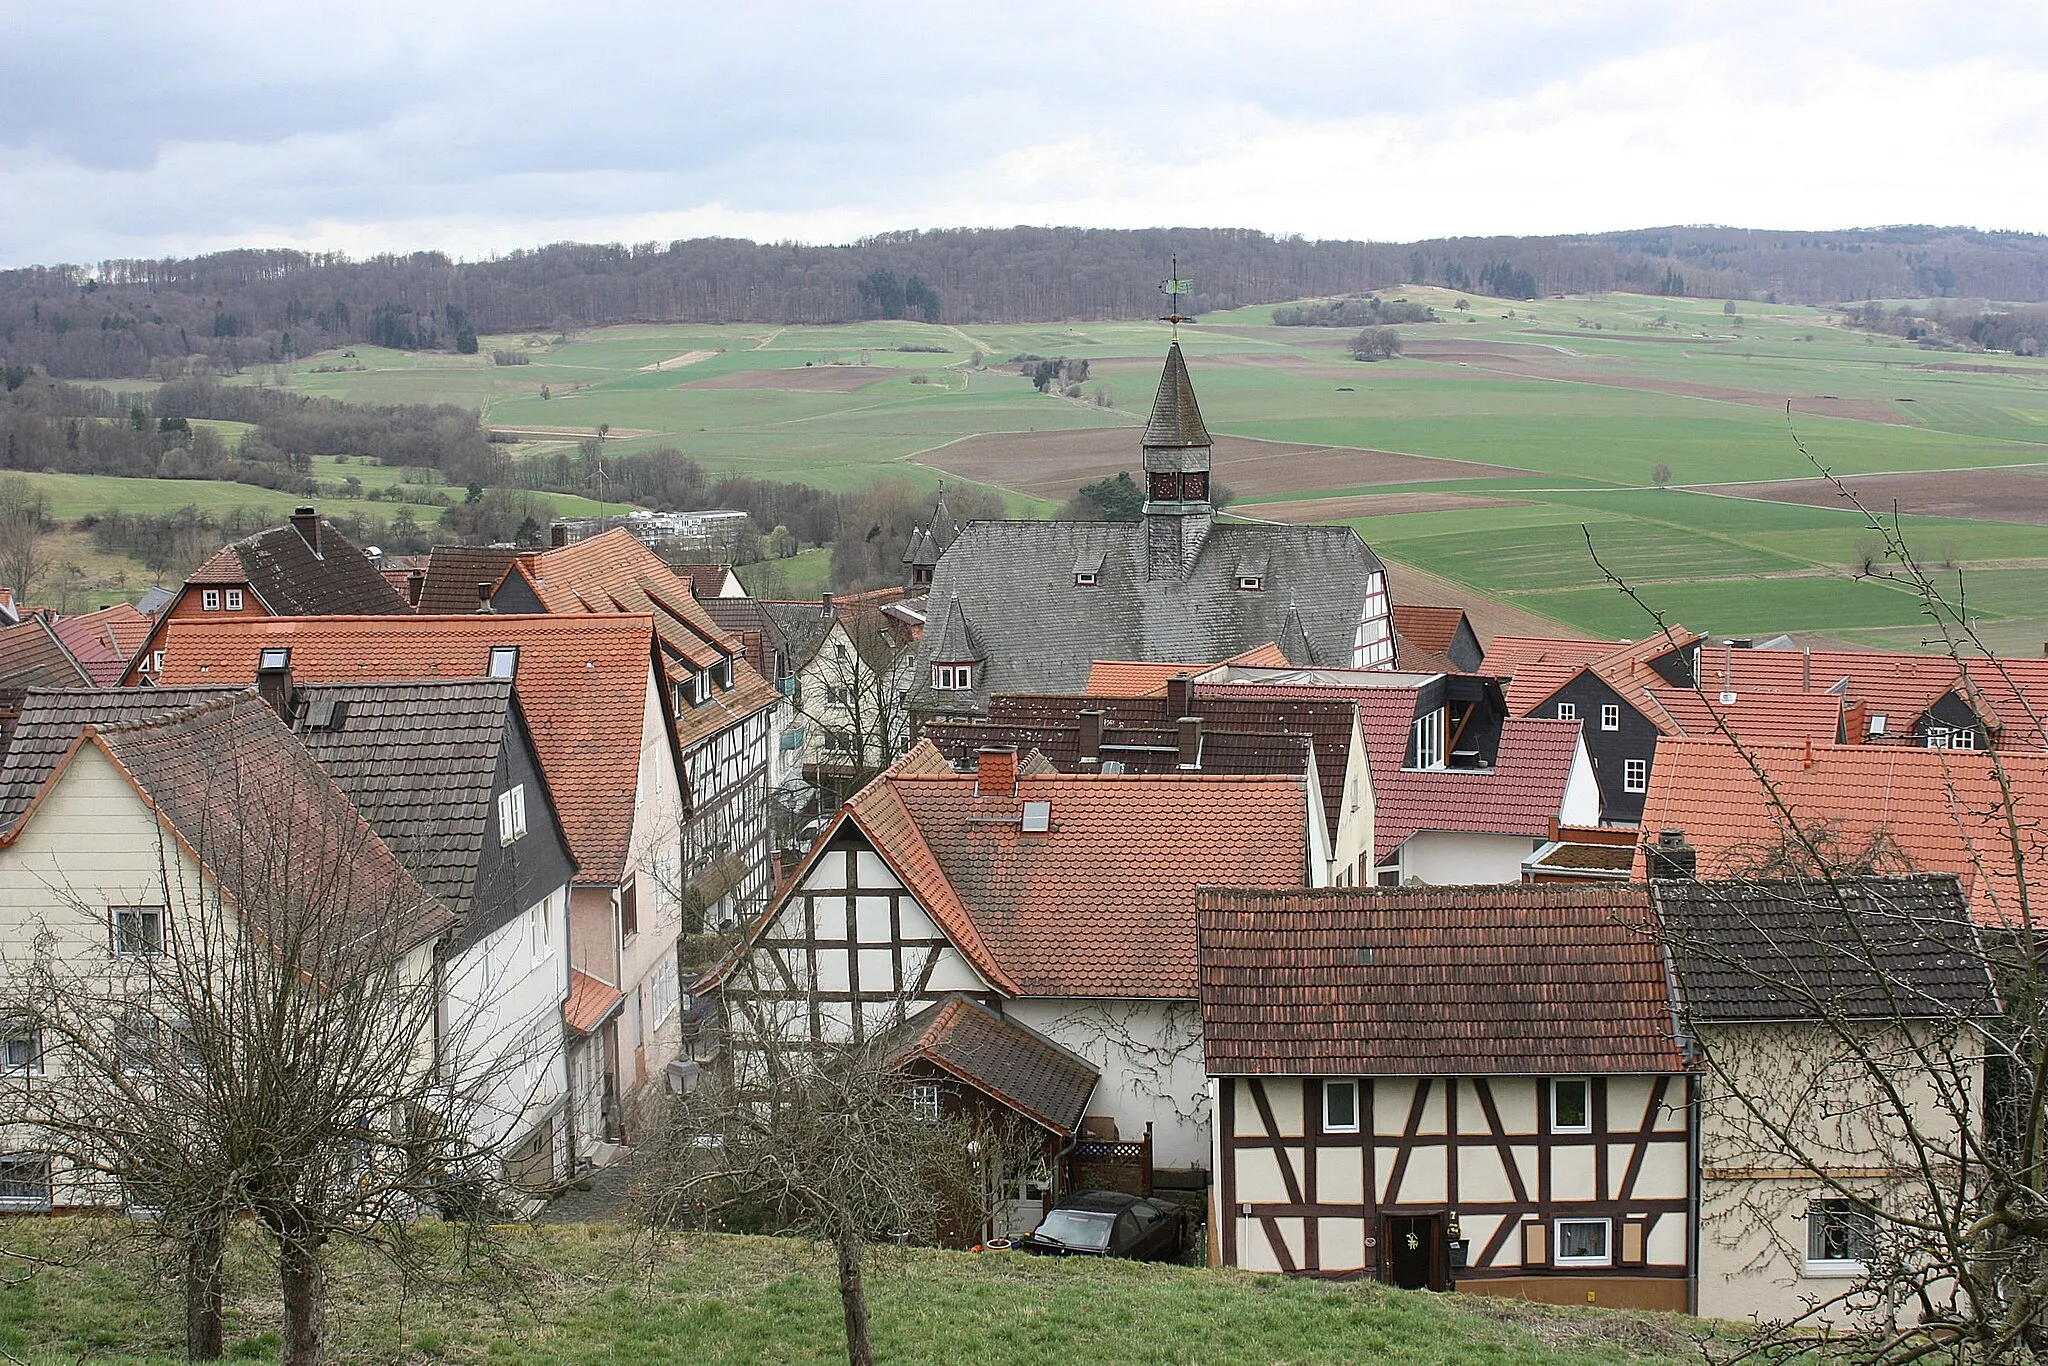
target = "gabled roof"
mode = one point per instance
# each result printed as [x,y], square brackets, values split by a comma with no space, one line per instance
[1176,419]
[1536,666]
[454,571]
[591,1002]
[52,720]
[1442,981]
[1901,809]
[253,808]
[1876,948]
[754,623]
[581,681]
[104,641]
[1103,903]
[32,655]
[1439,630]
[420,761]
[1753,718]
[804,625]
[1009,1062]
[292,580]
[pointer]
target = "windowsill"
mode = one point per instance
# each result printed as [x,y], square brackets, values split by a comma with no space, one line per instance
[1340,1128]
[1834,1270]
[1582,1261]
[1576,1131]
[14,1206]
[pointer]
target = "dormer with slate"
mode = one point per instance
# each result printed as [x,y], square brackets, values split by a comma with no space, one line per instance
[928,543]
[1178,512]
[956,654]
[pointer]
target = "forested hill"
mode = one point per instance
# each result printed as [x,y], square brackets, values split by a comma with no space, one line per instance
[136,317]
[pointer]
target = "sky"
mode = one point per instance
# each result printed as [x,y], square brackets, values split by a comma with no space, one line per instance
[149,129]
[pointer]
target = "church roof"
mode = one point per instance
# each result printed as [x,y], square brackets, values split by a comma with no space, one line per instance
[1176,418]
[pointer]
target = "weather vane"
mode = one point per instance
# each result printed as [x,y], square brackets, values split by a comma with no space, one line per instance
[1176,290]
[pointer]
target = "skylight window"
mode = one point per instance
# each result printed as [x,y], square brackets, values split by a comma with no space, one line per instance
[1037,817]
[274,659]
[504,661]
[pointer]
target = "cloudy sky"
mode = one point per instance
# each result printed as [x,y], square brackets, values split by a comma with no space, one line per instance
[131,129]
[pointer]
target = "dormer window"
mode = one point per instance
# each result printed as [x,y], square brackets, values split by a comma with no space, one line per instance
[1250,583]
[209,600]
[272,659]
[234,599]
[725,672]
[700,687]
[952,677]
[1429,740]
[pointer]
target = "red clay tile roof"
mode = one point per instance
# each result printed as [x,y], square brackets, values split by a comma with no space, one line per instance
[1103,903]
[1925,810]
[590,1002]
[1432,628]
[1753,718]
[1536,667]
[1441,981]
[581,682]
[253,808]
[104,641]
[1143,678]
[1009,1062]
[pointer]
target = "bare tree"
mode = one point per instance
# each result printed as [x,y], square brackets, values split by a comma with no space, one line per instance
[24,523]
[261,1041]
[852,704]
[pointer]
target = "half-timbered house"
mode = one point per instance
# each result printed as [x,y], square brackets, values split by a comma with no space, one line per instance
[1470,1086]
[1063,902]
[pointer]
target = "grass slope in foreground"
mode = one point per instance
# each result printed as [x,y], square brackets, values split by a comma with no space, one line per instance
[597,1294]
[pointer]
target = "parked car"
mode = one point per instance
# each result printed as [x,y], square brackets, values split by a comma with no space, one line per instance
[1111,1224]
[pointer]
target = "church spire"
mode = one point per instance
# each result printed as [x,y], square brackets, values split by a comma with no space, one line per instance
[1176,460]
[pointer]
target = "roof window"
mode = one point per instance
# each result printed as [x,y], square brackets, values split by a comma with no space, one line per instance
[1037,817]
[1086,579]
[274,658]
[1251,583]
[504,661]
[1878,721]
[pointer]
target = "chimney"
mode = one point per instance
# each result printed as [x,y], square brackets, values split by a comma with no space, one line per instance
[1189,742]
[558,535]
[483,596]
[415,584]
[825,605]
[1090,742]
[306,522]
[1670,857]
[1806,671]
[274,686]
[1180,694]
[995,771]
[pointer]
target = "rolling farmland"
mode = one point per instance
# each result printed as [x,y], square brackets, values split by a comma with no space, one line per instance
[1505,437]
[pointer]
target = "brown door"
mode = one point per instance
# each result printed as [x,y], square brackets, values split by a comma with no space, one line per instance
[1412,1252]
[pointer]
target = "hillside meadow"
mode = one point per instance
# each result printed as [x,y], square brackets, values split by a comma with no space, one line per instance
[600,1295]
[1669,431]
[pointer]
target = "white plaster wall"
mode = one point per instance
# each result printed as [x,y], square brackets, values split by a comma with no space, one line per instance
[1445,859]
[655,846]
[503,1021]
[1150,1055]
[1581,805]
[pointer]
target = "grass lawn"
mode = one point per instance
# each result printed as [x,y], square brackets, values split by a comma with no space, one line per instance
[596,1295]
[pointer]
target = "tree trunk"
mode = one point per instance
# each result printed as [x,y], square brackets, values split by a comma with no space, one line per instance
[853,1302]
[304,1282]
[204,1320]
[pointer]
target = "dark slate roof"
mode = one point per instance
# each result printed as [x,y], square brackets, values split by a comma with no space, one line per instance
[956,639]
[1039,632]
[1439,981]
[1007,1061]
[804,625]
[51,720]
[1176,418]
[294,581]
[755,623]
[454,571]
[1864,948]
[421,762]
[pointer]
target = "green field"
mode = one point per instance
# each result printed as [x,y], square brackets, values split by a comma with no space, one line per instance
[596,1295]
[1586,401]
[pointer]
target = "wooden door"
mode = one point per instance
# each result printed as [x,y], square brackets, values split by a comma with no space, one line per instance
[1412,1252]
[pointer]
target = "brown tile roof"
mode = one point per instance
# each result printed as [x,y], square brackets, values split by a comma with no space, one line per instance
[590,1002]
[1144,678]
[581,682]
[1007,1061]
[1103,903]
[32,655]
[1917,810]
[52,720]
[454,571]
[1432,628]
[1446,981]
[104,641]
[252,807]
[1536,666]
[1858,947]
[291,580]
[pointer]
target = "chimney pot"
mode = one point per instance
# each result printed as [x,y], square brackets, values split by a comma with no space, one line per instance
[558,534]
[306,521]
[1180,694]
[483,597]
[825,605]
[995,771]
[415,584]
[1671,857]
[1190,742]
[1090,740]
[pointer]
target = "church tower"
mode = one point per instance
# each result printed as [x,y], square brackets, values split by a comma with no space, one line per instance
[1178,512]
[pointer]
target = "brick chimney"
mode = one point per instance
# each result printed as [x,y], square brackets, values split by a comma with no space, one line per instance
[1189,742]
[1090,740]
[558,534]
[1180,694]
[415,584]
[1670,857]
[306,522]
[995,771]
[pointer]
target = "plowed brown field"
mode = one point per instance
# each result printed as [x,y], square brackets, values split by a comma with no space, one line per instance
[1979,495]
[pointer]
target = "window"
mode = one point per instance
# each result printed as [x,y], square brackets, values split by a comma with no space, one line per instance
[1879,721]
[274,658]
[1085,580]
[664,991]
[209,600]
[1581,1242]
[1340,1107]
[1567,711]
[1250,583]
[629,909]
[234,599]
[1839,1237]
[512,813]
[138,930]
[1166,488]
[543,929]
[1571,1106]
[1429,740]
[24,1045]
[156,661]
[1947,737]
[504,661]
[24,1181]
[725,672]
[952,677]
[1610,716]
[924,1102]
[1635,775]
